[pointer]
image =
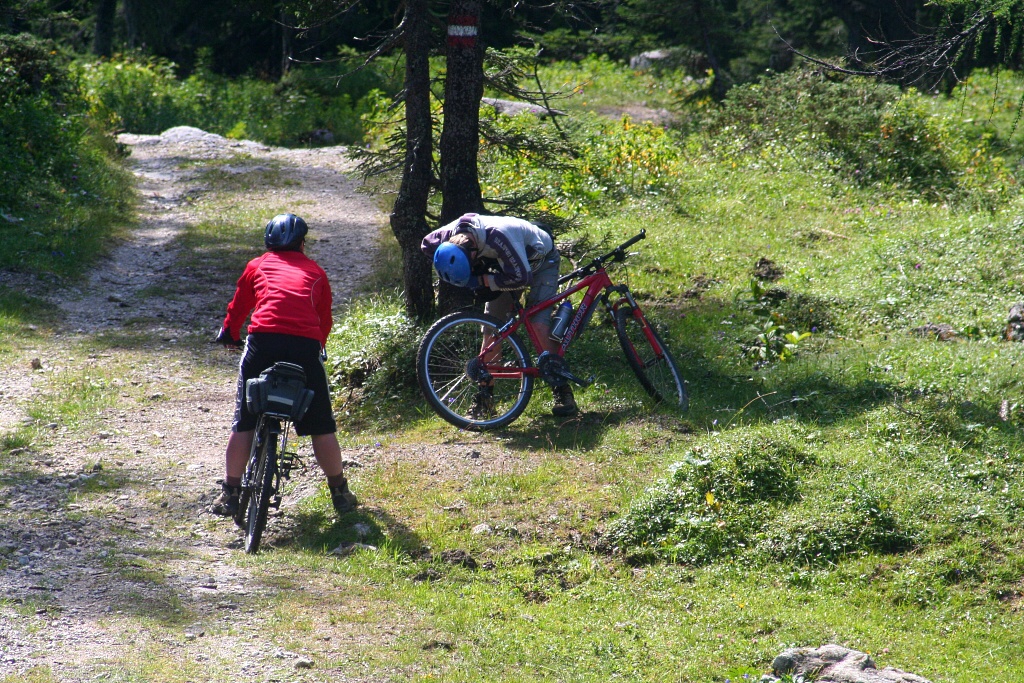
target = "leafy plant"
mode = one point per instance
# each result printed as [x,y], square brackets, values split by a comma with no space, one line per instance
[718,496]
[143,94]
[769,342]
[373,350]
[62,192]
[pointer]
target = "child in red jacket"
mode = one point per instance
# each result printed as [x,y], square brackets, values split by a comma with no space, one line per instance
[289,299]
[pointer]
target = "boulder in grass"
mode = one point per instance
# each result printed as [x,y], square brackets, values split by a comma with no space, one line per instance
[836,664]
[512,108]
[1015,323]
[940,331]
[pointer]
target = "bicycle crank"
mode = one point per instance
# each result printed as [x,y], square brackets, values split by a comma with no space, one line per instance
[555,371]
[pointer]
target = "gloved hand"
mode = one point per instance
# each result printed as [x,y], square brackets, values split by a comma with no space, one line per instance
[226,339]
[485,294]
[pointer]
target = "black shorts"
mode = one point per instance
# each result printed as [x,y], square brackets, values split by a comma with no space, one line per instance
[263,350]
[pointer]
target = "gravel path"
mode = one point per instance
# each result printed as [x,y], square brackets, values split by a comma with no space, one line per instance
[101,520]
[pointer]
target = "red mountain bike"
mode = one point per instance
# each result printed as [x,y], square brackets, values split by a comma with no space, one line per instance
[465,353]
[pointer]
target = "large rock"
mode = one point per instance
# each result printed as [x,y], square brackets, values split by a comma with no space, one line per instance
[512,108]
[1015,323]
[837,664]
[645,60]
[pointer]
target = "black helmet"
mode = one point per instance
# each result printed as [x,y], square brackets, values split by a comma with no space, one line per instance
[285,231]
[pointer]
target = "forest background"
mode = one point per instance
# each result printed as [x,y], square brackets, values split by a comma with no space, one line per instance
[849,170]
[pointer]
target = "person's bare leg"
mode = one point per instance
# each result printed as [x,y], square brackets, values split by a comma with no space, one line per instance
[235,456]
[239,447]
[328,454]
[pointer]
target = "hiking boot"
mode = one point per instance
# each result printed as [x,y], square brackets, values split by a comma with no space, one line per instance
[226,504]
[483,404]
[344,500]
[565,402]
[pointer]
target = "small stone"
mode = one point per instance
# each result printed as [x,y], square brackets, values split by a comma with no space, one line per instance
[303,663]
[348,548]
[482,529]
[36,364]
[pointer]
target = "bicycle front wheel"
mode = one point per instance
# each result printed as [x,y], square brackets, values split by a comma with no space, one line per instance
[262,488]
[451,352]
[649,358]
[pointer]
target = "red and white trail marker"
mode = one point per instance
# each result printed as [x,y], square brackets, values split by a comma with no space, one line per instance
[462,31]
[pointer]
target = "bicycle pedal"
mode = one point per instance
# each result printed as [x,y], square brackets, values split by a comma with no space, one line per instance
[578,380]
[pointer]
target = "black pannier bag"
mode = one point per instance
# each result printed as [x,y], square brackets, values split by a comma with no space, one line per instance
[280,391]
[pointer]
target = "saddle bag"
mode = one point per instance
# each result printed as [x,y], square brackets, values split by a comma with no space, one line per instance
[280,391]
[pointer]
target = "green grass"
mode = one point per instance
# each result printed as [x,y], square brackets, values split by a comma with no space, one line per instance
[898,532]
[879,506]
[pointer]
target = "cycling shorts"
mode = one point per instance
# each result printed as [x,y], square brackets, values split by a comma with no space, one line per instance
[263,349]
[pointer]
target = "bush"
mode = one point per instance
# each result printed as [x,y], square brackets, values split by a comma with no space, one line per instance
[144,95]
[860,521]
[870,133]
[373,350]
[717,498]
[61,191]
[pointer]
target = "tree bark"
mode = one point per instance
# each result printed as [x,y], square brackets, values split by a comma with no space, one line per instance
[103,40]
[408,219]
[463,89]
[460,137]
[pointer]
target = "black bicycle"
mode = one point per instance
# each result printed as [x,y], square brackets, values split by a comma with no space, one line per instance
[279,397]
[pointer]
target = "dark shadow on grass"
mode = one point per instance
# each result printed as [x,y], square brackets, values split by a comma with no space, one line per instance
[313,531]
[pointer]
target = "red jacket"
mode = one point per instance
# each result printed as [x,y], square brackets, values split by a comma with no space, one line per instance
[287,293]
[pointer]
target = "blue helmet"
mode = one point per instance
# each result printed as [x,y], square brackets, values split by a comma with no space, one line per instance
[452,264]
[285,231]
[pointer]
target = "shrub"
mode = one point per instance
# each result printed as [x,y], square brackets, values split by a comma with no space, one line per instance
[860,521]
[144,95]
[57,171]
[718,496]
[872,134]
[373,349]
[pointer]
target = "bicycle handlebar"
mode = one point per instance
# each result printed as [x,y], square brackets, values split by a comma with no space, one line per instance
[615,255]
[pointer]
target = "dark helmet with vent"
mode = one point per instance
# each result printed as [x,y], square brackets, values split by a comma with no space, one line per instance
[285,232]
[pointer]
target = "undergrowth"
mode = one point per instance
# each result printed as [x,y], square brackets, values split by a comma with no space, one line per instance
[63,193]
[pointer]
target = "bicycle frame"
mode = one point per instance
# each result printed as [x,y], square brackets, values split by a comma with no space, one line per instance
[598,286]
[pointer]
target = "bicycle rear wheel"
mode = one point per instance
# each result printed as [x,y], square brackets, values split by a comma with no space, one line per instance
[261,487]
[450,351]
[649,358]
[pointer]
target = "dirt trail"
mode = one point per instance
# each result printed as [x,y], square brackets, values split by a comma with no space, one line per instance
[103,525]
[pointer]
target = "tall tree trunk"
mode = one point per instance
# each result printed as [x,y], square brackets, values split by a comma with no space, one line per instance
[460,137]
[408,219]
[720,85]
[463,89]
[103,40]
[287,20]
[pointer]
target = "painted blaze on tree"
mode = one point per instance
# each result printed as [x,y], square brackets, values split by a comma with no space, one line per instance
[462,31]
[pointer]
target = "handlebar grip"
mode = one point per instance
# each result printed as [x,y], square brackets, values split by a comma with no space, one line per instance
[633,240]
